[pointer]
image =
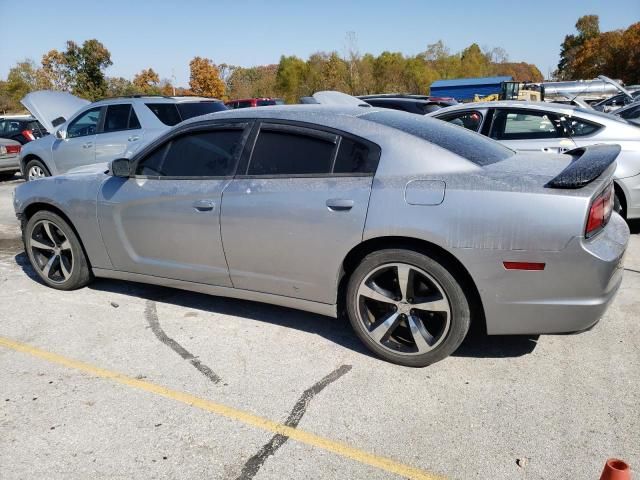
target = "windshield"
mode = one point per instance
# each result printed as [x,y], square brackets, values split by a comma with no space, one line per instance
[474,147]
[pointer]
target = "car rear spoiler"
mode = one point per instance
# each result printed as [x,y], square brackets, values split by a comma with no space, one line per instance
[588,164]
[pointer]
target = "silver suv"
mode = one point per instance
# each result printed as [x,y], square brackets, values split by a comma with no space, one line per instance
[85,133]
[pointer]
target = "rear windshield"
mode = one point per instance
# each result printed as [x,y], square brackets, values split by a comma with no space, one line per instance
[465,143]
[173,113]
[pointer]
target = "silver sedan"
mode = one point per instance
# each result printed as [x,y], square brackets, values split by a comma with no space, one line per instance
[412,227]
[552,128]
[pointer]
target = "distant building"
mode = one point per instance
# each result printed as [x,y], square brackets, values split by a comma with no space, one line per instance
[464,89]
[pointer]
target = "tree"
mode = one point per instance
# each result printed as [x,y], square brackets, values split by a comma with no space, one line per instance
[474,63]
[147,81]
[588,27]
[290,79]
[86,64]
[119,87]
[25,77]
[55,69]
[205,78]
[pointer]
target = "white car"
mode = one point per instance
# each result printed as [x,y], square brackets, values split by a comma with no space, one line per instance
[85,133]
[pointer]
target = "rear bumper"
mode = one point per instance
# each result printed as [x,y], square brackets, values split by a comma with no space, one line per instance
[571,294]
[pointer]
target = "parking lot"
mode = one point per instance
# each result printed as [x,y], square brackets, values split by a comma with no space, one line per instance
[123,380]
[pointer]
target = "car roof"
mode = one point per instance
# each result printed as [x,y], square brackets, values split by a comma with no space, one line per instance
[548,106]
[154,99]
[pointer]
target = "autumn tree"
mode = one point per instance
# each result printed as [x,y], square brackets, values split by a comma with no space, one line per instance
[119,87]
[147,81]
[588,27]
[205,78]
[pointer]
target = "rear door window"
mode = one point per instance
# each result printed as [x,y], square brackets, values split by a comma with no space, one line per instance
[281,152]
[582,128]
[120,117]
[194,155]
[515,124]
[355,157]
[195,109]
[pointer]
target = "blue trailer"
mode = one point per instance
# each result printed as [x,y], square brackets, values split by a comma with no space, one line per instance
[464,89]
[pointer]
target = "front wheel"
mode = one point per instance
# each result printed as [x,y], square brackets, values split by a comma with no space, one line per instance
[55,252]
[407,307]
[36,169]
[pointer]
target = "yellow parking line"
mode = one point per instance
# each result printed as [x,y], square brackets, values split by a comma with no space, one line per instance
[228,412]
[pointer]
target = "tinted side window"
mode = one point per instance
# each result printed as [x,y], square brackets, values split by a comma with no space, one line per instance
[283,153]
[117,118]
[525,125]
[468,120]
[245,104]
[631,113]
[201,154]
[195,109]
[167,113]
[354,157]
[85,124]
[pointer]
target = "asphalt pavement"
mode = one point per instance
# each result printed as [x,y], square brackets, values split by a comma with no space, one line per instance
[123,380]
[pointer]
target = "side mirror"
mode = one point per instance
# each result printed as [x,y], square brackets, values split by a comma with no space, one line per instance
[61,134]
[120,167]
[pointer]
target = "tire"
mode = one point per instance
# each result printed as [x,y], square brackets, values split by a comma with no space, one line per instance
[415,326]
[55,252]
[35,169]
[7,175]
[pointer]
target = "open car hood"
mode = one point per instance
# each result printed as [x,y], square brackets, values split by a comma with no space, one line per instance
[616,84]
[52,108]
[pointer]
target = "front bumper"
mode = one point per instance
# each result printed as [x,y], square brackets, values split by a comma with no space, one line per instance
[571,294]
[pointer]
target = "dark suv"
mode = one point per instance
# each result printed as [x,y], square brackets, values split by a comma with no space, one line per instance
[22,129]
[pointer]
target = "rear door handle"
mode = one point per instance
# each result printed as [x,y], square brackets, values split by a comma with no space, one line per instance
[87,145]
[204,205]
[133,138]
[339,204]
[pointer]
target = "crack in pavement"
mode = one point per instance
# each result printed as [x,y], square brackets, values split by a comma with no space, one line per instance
[251,467]
[151,314]
[631,270]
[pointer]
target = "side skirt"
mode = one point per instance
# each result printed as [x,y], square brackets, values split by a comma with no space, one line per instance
[296,303]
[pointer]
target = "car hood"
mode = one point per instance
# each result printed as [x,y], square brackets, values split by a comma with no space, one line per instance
[52,108]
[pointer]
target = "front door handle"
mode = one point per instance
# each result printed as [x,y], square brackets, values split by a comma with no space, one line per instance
[133,138]
[204,205]
[339,204]
[87,145]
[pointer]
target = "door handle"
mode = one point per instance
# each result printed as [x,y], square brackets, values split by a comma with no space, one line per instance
[204,205]
[87,145]
[339,204]
[133,138]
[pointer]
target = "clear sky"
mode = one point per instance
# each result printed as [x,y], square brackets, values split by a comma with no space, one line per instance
[166,35]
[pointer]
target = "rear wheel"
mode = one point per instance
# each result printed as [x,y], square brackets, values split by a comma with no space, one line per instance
[55,252]
[36,169]
[407,307]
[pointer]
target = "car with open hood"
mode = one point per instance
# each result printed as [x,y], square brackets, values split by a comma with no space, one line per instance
[84,133]
[412,227]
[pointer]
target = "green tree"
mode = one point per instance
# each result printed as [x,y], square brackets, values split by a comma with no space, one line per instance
[290,79]
[86,64]
[119,87]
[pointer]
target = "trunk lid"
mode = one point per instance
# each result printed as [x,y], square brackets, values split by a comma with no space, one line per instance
[52,108]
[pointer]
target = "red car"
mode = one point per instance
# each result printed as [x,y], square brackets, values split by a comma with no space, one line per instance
[254,102]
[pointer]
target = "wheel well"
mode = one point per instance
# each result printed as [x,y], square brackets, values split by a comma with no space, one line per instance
[620,194]
[34,208]
[457,269]
[27,159]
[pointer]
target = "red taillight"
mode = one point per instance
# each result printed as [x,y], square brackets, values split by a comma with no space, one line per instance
[28,134]
[600,212]
[13,148]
